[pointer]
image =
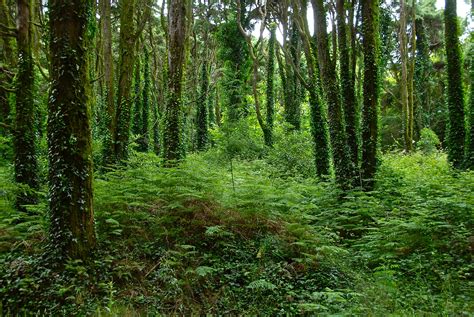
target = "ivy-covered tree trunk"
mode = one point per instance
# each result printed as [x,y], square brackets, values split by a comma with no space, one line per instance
[347,84]
[292,87]
[371,87]
[26,166]
[137,101]
[404,80]
[124,98]
[456,127]
[108,68]
[469,159]
[202,116]
[69,133]
[342,162]
[421,79]
[144,138]
[6,60]
[319,122]
[172,134]
[270,87]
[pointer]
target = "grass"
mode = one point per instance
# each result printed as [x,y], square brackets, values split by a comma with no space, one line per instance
[191,240]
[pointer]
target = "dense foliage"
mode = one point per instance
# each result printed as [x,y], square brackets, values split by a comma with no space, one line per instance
[248,157]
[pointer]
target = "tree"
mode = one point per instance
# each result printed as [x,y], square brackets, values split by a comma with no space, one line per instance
[202,116]
[124,99]
[342,162]
[6,60]
[69,133]
[319,122]
[144,138]
[456,126]
[172,138]
[370,107]
[270,86]
[405,81]
[469,159]
[26,170]
[347,84]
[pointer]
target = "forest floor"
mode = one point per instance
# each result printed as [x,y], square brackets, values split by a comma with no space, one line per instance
[204,239]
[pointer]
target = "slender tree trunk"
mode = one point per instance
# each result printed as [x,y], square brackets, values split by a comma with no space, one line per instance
[411,74]
[202,116]
[456,130]
[26,170]
[404,91]
[371,87]
[270,87]
[172,134]
[144,140]
[347,85]
[69,133]
[108,69]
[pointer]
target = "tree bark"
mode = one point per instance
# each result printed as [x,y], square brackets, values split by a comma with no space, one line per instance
[371,87]
[456,129]
[69,133]
[26,166]
[172,134]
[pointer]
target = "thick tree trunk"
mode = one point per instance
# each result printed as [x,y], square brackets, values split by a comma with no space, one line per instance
[172,136]
[270,87]
[26,173]
[202,115]
[69,133]
[456,129]
[371,86]
[7,59]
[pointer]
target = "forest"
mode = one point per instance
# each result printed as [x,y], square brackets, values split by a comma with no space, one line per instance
[237,157]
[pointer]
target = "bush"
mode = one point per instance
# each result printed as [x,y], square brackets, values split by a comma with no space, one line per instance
[429,141]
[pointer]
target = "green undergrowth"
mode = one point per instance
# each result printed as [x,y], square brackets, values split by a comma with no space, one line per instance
[207,239]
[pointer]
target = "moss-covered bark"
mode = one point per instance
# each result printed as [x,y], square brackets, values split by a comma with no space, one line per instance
[6,60]
[347,84]
[469,157]
[144,133]
[421,79]
[342,162]
[124,98]
[137,100]
[172,132]
[270,87]
[202,115]
[371,87]
[456,127]
[26,170]
[69,133]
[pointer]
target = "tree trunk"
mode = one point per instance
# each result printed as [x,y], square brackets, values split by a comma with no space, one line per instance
[26,169]
[371,87]
[69,133]
[270,87]
[456,129]
[124,99]
[404,90]
[144,139]
[342,163]
[108,69]
[347,85]
[202,116]
[172,135]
